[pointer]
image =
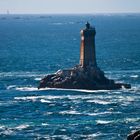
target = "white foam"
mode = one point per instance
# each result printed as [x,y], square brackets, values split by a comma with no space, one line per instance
[132,119]
[2,126]
[29,97]
[135,88]
[23,126]
[38,79]
[7,132]
[78,90]
[30,88]
[47,98]
[45,124]
[73,112]
[36,97]
[45,101]
[63,137]
[94,135]
[98,113]
[70,112]
[48,113]
[27,88]
[134,76]
[103,122]
[11,87]
[117,92]
[99,102]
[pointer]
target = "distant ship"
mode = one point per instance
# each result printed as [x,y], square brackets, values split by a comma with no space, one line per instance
[86,75]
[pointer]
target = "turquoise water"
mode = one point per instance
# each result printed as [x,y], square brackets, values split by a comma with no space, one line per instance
[32,46]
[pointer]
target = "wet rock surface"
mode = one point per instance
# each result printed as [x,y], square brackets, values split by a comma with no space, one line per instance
[78,78]
[134,136]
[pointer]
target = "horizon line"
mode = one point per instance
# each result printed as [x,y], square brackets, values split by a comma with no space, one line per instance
[70,13]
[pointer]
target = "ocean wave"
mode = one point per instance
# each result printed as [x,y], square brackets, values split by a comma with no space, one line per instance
[2,126]
[118,96]
[11,87]
[99,102]
[29,97]
[134,89]
[102,113]
[73,112]
[7,103]
[27,88]
[103,122]
[6,130]
[63,137]
[134,76]
[75,136]
[117,92]
[38,79]
[79,90]
[70,112]
[120,75]
[51,98]
[22,126]
[94,135]
[44,124]
[123,71]
[45,101]
[136,127]
[21,74]
[60,89]
[132,120]
[38,74]
[31,88]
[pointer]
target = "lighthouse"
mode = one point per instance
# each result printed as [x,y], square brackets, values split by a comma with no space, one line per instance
[86,75]
[87,49]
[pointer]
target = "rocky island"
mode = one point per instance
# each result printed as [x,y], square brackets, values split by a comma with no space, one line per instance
[86,75]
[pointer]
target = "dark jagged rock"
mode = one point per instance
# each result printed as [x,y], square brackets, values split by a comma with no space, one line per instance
[86,75]
[78,78]
[134,136]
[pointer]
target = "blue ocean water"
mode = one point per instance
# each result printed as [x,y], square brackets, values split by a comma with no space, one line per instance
[32,46]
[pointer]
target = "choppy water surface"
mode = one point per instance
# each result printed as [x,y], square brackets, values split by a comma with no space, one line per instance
[32,46]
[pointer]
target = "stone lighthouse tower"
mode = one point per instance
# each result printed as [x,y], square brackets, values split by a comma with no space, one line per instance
[86,75]
[87,50]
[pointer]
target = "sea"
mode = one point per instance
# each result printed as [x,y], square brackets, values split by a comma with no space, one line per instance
[32,46]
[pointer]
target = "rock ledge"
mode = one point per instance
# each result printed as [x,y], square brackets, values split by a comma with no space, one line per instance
[91,78]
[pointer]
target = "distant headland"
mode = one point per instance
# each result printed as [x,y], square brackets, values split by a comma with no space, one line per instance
[86,75]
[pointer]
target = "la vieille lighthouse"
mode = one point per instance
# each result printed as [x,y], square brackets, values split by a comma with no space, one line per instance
[86,75]
[87,50]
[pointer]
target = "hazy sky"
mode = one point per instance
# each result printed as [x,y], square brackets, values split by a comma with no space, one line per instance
[69,6]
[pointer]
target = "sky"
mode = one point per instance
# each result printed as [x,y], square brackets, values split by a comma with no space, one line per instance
[69,6]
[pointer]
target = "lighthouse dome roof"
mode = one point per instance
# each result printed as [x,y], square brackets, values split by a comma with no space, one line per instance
[88,30]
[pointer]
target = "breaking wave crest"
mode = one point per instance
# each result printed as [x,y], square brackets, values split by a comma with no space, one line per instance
[134,89]
[7,130]
[29,88]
